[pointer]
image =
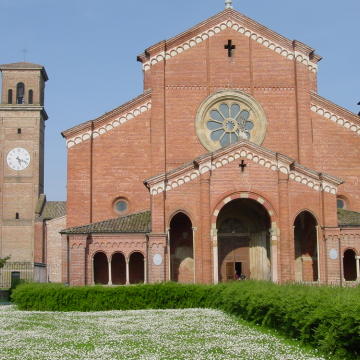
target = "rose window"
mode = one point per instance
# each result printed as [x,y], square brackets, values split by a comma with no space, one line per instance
[229,123]
[228,116]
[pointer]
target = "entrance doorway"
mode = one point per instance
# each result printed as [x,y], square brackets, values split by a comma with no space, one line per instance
[243,240]
[181,249]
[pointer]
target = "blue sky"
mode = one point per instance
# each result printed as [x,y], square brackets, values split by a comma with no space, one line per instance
[89,51]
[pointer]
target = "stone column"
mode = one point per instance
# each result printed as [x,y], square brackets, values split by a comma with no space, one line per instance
[357,258]
[193,232]
[145,272]
[110,275]
[274,255]
[215,255]
[93,272]
[127,272]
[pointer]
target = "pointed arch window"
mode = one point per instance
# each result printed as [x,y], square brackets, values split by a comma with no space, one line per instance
[31,96]
[20,93]
[10,96]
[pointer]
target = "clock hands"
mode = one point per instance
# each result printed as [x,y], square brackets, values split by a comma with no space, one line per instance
[21,160]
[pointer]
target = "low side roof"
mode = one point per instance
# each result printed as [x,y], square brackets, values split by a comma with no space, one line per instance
[49,209]
[348,218]
[133,223]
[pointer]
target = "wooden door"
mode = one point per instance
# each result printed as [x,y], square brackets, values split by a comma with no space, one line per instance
[232,249]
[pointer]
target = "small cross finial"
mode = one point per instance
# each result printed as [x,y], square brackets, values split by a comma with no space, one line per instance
[24,51]
[228,4]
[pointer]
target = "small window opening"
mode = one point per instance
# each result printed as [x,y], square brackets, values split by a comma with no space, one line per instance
[9,96]
[17,216]
[19,131]
[20,93]
[31,93]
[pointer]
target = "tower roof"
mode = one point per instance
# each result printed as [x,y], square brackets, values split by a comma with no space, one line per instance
[24,65]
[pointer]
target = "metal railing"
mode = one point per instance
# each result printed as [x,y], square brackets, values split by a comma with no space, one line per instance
[15,272]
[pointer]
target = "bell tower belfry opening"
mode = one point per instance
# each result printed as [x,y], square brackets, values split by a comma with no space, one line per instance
[243,241]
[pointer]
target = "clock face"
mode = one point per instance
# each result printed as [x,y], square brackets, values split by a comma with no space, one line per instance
[18,159]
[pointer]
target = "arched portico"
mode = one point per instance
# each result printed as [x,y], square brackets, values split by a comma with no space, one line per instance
[350,266]
[100,268]
[245,238]
[136,268]
[306,247]
[118,268]
[181,248]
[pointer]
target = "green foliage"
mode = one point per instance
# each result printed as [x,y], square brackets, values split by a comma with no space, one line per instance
[327,318]
[4,260]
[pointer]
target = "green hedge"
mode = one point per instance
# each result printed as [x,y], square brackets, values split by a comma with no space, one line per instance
[328,318]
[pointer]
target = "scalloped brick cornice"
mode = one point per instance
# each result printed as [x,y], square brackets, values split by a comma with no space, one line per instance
[108,121]
[293,50]
[242,149]
[334,112]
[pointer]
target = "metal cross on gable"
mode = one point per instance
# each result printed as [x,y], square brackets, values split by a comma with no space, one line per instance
[242,165]
[24,51]
[229,47]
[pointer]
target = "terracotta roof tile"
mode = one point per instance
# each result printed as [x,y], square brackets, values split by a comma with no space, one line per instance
[348,218]
[133,223]
[53,210]
[24,65]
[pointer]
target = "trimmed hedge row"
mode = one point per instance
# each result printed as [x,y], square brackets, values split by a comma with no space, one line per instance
[328,318]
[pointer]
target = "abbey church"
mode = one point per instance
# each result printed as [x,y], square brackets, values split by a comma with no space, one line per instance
[224,164]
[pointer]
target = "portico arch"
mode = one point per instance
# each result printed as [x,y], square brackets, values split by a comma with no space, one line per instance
[136,267]
[243,227]
[118,268]
[306,247]
[181,248]
[101,268]
[349,261]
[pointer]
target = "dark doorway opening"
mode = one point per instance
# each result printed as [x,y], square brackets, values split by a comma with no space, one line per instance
[350,265]
[136,268]
[243,240]
[181,249]
[118,269]
[101,269]
[306,257]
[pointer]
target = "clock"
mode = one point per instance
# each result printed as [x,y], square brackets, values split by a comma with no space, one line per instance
[18,159]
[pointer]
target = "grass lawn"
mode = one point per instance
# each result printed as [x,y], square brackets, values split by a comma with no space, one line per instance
[146,334]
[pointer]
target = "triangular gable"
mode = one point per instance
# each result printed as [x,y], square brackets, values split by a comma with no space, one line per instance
[248,150]
[230,18]
[108,121]
[334,112]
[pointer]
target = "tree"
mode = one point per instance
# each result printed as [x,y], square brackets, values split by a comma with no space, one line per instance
[4,260]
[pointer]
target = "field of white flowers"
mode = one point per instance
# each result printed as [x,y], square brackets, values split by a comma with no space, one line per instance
[148,334]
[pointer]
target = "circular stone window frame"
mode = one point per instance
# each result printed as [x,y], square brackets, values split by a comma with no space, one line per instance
[115,211]
[345,201]
[257,117]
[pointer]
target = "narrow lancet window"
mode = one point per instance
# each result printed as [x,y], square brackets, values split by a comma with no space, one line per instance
[31,93]
[17,216]
[20,93]
[9,96]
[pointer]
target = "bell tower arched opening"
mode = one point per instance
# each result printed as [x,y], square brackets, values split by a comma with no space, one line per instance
[181,249]
[306,247]
[243,240]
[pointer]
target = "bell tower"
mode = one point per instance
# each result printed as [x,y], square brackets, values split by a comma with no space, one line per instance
[22,128]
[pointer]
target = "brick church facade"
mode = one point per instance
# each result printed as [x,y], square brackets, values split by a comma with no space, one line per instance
[224,164]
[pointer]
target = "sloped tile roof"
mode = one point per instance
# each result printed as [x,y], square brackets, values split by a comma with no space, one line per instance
[348,218]
[53,210]
[134,223]
[21,65]
[24,65]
